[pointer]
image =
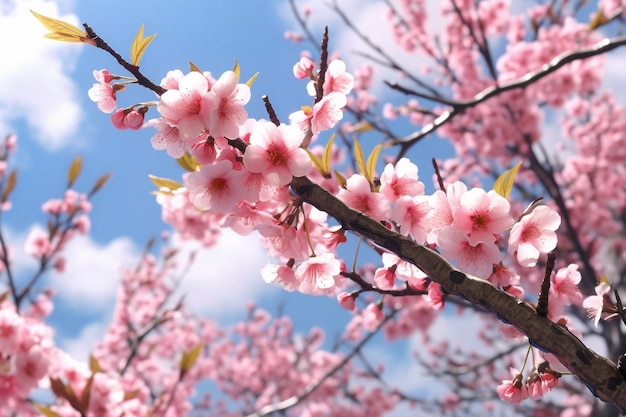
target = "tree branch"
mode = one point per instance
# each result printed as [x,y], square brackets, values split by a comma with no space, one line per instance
[598,373]
[599,48]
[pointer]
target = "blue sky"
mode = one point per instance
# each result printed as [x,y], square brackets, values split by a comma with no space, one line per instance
[44,101]
[46,104]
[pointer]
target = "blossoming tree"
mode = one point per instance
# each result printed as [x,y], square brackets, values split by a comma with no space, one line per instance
[537,256]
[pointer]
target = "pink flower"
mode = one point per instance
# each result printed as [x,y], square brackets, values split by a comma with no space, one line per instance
[359,195]
[482,214]
[304,68]
[475,258]
[534,234]
[327,112]
[337,79]
[318,272]
[227,111]
[564,289]
[594,304]
[188,107]
[37,243]
[384,278]
[30,367]
[215,187]
[372,316]
[346,301]
[275,152]
[281,274]
[513,391]
[400,180]
[167,137]
[103,95]
[411,213]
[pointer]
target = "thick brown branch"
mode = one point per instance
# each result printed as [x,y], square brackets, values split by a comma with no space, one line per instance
[598,373]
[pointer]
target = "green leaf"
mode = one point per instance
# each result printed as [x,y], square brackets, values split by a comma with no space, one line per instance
[10,186]
[139,46]
[189,358]
[75,168]
[504,183]
[165,183]
[359,157]
[371,162]
[62,31]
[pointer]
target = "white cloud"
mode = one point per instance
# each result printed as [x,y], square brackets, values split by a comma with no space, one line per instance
[226,276]
[92,277]
[82,345]
[34,74]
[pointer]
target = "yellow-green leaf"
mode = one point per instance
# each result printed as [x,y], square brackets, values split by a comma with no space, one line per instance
[504,183]
[252,79]
[371,163]
[99,184]
[194,68]
[598,19]
[190,357]
[94,366]
[341,180]
[10,186]
[362,127]
[165,183]
[237,69]
[317,162]
[62,31]
[188,162]
[328,151]
[139,46]
[46,411]
[74,170]
[359,157]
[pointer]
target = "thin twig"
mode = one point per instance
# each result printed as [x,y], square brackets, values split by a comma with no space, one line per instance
[599,48]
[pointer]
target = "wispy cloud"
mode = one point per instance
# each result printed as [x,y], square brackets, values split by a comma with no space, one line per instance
[36,87]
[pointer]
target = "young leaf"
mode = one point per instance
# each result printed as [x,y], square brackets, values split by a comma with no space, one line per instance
[139,46]
[74,170]
[94,366]
[371,162]
[10,186]
[360,158]
[99,184]
[237,69]
[340,179]
[504,183]
[46,411]
[252,79]
[317,162]
[328,150]
[62,31]
[188,162]
[189,358]
[194,68]
[165,183]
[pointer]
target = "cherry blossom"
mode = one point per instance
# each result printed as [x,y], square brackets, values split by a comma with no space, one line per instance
[275,152]
[534,234]
[215,187]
